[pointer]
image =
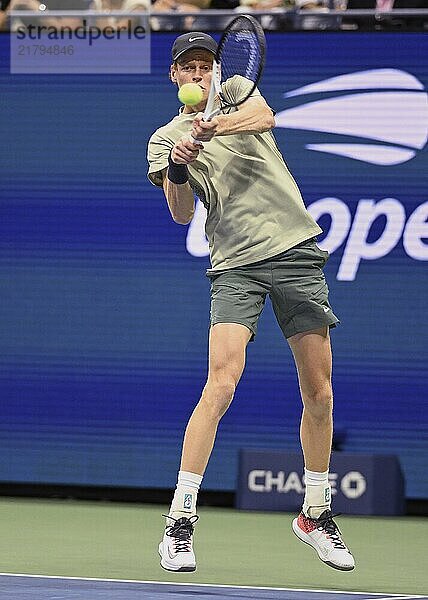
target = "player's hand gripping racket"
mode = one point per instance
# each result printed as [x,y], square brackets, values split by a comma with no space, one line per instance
[241,51]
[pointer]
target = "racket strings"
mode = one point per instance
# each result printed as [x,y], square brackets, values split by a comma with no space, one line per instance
[241,55]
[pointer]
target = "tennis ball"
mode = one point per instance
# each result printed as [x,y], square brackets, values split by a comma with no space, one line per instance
[190,94]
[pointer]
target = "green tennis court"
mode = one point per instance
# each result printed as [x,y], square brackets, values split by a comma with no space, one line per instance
[119,541]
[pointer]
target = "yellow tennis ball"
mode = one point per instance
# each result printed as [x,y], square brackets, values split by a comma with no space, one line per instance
[190,94]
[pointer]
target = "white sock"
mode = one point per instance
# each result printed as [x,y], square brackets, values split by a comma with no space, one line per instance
[186,494]
[317,494]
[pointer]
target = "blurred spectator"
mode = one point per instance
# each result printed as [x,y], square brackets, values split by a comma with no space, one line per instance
[278,20]
[314,21]
[189,22]
[388,21]
[47,20]
[4,5]
[385,5]
[261,4]
[311,4]
[125,6]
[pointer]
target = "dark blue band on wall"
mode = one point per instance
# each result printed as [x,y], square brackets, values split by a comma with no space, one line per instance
[104,300]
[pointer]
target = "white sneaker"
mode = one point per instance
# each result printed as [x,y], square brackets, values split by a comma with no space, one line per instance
[176,547]
[323,534]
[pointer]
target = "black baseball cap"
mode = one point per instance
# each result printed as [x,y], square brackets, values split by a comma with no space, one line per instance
[190,41]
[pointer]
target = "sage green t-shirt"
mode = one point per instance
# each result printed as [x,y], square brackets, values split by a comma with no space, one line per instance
[254,207]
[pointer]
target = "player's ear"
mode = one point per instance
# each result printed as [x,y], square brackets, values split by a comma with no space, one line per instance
[173,73]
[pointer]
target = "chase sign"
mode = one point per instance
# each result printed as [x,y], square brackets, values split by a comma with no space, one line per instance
[363,484]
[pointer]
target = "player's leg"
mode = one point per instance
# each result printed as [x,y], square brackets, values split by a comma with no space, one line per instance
[312,355]
[227,346]
[300,301]
[315,525]
[237,299]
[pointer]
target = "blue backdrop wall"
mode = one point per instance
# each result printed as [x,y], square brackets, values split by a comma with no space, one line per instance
[104,302]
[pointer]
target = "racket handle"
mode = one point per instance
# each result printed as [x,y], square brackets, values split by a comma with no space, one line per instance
[196,142]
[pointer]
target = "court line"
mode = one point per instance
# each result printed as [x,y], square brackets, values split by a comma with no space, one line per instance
[383,595]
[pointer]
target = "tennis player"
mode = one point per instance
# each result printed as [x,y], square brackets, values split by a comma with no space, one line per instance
[262,243]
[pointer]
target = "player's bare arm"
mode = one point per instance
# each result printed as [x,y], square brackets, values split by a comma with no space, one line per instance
[253,116]
[180,198]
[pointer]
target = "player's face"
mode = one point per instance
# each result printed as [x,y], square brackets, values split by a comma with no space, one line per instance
[194,67]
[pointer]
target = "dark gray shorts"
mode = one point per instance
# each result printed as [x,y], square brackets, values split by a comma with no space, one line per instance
[294,281]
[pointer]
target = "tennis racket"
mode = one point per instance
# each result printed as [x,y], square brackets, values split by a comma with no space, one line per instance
[241,51]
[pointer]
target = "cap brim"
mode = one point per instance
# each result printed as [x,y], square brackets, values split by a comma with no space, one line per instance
[213,52]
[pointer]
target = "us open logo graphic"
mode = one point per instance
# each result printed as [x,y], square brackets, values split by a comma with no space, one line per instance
[384,111]
[378,118]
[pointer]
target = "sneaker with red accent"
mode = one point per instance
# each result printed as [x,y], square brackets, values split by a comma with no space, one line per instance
[325,537]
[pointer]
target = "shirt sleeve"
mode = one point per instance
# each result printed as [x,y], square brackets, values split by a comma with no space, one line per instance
[237,87]
[157,155]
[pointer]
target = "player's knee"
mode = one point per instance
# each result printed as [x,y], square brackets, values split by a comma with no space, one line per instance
[217,396]
[319,403]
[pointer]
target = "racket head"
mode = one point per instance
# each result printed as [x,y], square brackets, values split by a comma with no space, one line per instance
[241,51]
